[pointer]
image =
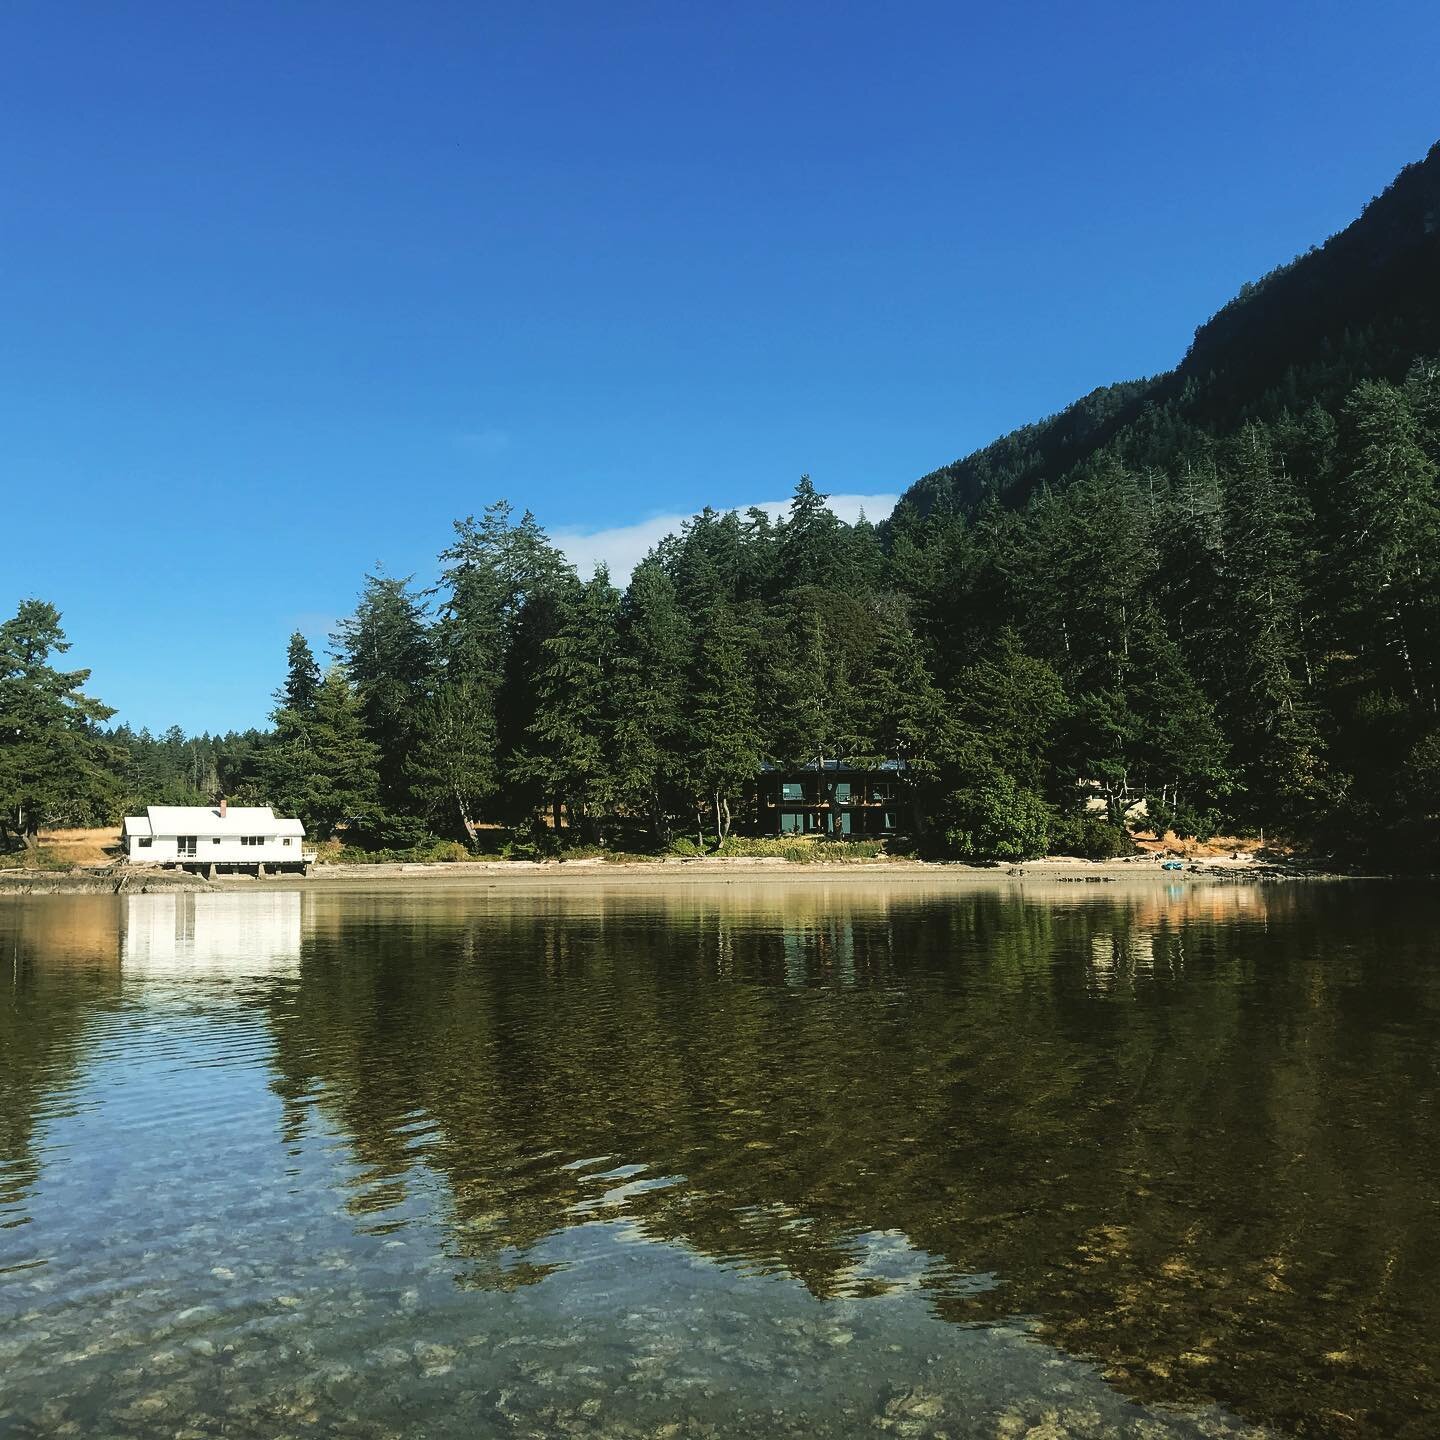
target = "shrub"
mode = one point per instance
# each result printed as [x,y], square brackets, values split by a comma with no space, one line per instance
[384,831]
[993,818]
[796,849]
[433,852]
[1091,836]
[800,850]
[42,858]
[1184,820]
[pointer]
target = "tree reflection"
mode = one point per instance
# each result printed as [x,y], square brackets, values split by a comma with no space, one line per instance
[58,964]
[1193,1136]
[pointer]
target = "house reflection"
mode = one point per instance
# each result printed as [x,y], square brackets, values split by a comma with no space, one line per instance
[206,934]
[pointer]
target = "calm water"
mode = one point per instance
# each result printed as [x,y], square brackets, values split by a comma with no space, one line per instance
[824,1159]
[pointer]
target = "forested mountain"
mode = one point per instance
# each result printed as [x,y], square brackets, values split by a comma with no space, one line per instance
[1362,306]
[1216,592]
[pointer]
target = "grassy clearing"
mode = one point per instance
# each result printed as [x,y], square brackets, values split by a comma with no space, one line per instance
[99,845]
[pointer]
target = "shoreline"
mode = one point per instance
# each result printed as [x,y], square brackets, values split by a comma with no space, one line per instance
[539,874]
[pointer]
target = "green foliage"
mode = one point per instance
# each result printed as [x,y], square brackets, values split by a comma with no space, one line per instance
[1215,591]
[179,769]
[302,678]
[452,768]
[39,857]
[55,765]
[425,851]
[321,765]
[797,851]
[653,647]
[800,851]
[720,752]
[988,816]
[388,658]
[1415,838]
[387,830]
[1091,837]
[570,740]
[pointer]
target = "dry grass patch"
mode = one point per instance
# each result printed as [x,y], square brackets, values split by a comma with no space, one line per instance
[97,846]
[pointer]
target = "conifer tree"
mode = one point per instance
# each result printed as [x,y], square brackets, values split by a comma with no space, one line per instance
[343,783]
[302,677]
[571,738]
[1263,669]
[1387,541]
[55,766]
[650,671]
[502,591]
[818,642]
[386,650]
[809,538]
[1016,703]
[721,753]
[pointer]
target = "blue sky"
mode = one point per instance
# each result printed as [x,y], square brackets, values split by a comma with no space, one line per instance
[288,287]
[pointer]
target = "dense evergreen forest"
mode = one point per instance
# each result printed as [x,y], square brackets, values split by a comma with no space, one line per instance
[1217,591]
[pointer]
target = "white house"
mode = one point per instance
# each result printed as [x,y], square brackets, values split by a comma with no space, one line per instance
[221,835]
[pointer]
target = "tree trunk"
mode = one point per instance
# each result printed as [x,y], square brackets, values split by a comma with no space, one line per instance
[467,824]
[658,823]
[719,834]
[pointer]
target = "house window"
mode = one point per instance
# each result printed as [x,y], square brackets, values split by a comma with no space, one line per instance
[143,842]
[185,844]
[792,790]
[252,839]
[215,841]
[286,840]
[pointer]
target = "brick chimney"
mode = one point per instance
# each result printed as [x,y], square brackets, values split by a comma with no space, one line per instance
[223,805]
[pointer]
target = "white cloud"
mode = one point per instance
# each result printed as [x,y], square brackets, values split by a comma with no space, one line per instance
[622,547]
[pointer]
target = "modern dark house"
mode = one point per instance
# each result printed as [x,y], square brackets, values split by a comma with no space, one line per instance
[839,800]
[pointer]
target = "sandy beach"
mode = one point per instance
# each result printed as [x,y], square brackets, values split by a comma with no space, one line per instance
[520,875]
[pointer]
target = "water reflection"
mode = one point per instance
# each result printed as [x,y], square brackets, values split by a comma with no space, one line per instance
[46,1005]
[1187,1132]
[191,936]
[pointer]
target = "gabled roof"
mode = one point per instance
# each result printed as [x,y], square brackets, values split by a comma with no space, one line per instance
[207,820]
[136,825]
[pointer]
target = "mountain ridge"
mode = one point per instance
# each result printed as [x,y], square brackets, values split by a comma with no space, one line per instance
[1362,305]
